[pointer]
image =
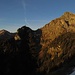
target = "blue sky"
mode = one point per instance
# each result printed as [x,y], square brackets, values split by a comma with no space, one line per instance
[32,13]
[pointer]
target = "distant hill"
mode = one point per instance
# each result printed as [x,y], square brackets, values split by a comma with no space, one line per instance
[4,34]
[49,50]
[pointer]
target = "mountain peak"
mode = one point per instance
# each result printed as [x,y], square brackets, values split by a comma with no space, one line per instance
[68,16]
[3,31]
[4,34]
[68,13]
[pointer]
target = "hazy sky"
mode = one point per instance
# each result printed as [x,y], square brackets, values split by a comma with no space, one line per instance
[32,13]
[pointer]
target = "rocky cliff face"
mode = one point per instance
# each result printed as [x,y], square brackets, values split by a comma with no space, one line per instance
[49,50]
[57,42]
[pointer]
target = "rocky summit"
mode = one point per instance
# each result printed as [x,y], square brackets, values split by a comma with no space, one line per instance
[49,50]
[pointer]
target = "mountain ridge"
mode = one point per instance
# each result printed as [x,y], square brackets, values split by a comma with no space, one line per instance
[45,51]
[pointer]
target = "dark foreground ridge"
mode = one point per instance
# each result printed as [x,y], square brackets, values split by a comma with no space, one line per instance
[49,50]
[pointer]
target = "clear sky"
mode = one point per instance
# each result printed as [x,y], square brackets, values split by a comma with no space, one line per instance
[32,13]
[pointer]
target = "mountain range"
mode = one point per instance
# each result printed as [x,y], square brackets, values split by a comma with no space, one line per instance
[49,50]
